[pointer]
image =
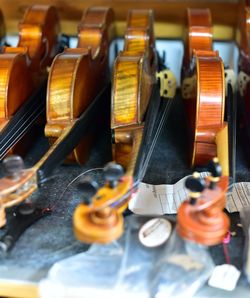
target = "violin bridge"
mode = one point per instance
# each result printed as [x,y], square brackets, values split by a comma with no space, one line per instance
[167,83]
[230,78]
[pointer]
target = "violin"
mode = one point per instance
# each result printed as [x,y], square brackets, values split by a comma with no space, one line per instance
[201,218]
[130,95]
[23,73]
[136,108]
[78,87]
[85,66]
[203,90]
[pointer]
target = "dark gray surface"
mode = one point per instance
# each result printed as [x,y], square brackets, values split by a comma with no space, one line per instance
[51,238]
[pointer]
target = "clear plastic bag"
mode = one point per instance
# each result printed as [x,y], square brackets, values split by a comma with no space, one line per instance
[126,268]
[121,268]
[181,270]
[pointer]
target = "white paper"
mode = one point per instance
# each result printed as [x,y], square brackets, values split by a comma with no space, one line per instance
[224,277]
[166,198]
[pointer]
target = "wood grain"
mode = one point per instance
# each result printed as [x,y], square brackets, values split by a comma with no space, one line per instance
[223,12]
[77,76]
[206,104]
[134,74]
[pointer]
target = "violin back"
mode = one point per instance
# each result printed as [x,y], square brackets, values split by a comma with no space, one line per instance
[78,75]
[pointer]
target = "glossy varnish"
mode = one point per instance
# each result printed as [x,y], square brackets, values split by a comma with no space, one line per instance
[23,68]
[77,76]
[206,104]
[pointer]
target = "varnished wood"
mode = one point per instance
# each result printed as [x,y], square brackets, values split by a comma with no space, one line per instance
[210,105]
[243,28]
[39,33]
[199,32]
[38,38]
[205,222]
[134,74]
[78,75]
[174,12]
[23,68]
[99,222]
[203,88]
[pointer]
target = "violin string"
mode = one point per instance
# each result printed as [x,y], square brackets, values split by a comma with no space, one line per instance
[145,164]
[162,119]
[70,183]
[158,131]
[20,131]
[18,122]
[32,106]
[18,127]
[9,144]
[127,195]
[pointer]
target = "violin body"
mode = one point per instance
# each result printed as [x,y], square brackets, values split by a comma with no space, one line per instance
[39,33]
[203,89]
[199,35]
[134,75]
[133,79]
[16,85]
[77,90]
[24,68]
[77,76]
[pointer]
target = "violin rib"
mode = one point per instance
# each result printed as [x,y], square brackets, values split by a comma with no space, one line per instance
[24,68]
[203,88]
[78,75]
[199,31]
[134,75]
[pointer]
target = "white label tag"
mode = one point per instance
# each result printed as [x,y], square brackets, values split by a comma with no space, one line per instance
[224,277]
[155,232]
[166,198]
